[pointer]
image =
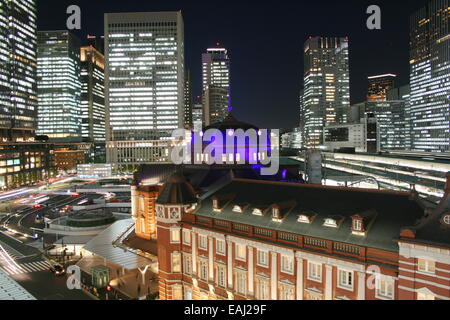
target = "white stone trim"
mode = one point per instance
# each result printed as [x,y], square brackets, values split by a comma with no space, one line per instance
[299,279]
[432,275]
[331,261]
[209,234]
[274,276]
[251,289]
[408,250]
[434,284]
[261,246]
[328,282]
[421,290]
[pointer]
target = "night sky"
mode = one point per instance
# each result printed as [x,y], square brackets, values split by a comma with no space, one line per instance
[265,42]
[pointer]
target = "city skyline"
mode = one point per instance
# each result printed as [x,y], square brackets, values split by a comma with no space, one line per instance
[387,51]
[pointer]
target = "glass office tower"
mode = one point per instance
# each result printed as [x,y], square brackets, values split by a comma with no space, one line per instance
[59,86]
[18,98]
[430,77]
[92,94]
[379,85]
[326,97]
[144,75]
[216,85]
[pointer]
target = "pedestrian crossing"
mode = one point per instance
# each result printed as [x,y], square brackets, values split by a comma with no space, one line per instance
[14,254]
[29,267]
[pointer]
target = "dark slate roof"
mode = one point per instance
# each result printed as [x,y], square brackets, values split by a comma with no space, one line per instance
[432,231]
[391,210]
[177,191]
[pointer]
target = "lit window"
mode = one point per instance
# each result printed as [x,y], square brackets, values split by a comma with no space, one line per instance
[176,262]
[203,242]
[221,275]
[330,223]
[203,270]
[187,237]
[427,266]
[240,252]
[241,283]
[262,258]
[257,212]
[262,289]
[187,264]
[174,236]
[177,292]
[346,279]
[287,292]
[384,288]
[315,271]
[424,296]
[303,219]
[447,220]
[220,247]
[287,264]
[237,209]
[357,225]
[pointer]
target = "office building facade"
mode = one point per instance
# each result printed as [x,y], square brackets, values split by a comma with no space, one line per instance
[144,75]
[430,77]
[92,95]
[18,87]
[188,100]
[326,97]
[59,86]
[216,85]
[379,86]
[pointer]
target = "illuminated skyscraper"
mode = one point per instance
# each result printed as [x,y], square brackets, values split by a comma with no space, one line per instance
[379,86]
[188,100]
[430,77]
[215,105]
[216,85]
[92,94]
[18,91]
[59,86]
[326,97]
[144,75]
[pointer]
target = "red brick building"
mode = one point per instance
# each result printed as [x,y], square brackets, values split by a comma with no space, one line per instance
[266,240]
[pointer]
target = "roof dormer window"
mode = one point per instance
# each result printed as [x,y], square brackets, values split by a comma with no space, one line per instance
[216,205]
[257,212]
[331,223]
[304,219]
[276,214]
[446,220]
[359,225]
[237,209]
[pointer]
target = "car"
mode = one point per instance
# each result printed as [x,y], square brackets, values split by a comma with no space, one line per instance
[58,270]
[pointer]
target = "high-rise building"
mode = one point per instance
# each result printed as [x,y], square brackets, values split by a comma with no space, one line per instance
[403,94]
[188,100]
[197,117]
[144,75]
[92,94]
[379,86]
[22,160]
[59,86]
[391,124]
[18,90]
[326,98]
[98,42]
[215,105]
[216,84]
[430,77]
